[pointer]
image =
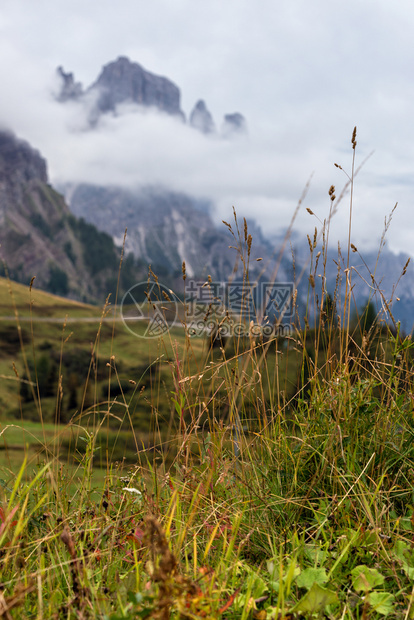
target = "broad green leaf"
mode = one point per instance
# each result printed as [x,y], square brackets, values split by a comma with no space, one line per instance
[259,588]
[408,570]
[310,576]
[400,550]
[382,602]
[135,597]
[287,578]
[271,566]
[316,600]
[402,553]
[275,586]
[315,554]
[369,538]
[405,524]
[365,578]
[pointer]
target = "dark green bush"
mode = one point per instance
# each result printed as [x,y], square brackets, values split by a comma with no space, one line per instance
[58,281]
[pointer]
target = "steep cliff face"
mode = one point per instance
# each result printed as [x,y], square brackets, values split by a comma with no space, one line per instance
[39,236]
[69,89]
[201,119]
[122,81]
[125,81]
[234,124]
[389,284]
[19,165]
[164,228]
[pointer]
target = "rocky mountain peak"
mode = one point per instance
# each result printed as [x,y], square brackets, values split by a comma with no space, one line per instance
[38,234]
[19,165]
[201,119]
[234,124]
[123,81]
[69,88]
[18,158]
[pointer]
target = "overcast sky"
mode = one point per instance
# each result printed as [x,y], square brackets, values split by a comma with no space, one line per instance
[302,73]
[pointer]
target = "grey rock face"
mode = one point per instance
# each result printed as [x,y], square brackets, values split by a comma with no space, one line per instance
[32,232]
[387,268]
[70,89]
[234,124]
[38,234]
[125,81]
[19,164]
[164,228]
[201,119]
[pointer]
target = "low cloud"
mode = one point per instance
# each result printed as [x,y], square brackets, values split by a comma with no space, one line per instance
[256,173]
[301,92]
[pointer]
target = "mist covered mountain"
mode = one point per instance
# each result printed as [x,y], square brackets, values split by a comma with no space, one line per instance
[201,119]
[125,82]
[379,276]
[166,226]
[75,252]
[40,237]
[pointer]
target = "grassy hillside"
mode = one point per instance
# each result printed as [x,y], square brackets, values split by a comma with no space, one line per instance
[71,364]
[51,346]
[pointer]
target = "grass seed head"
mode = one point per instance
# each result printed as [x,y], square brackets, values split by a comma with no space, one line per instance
[354,142]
